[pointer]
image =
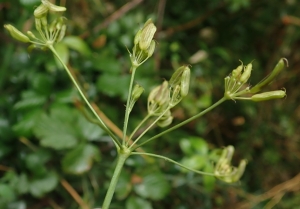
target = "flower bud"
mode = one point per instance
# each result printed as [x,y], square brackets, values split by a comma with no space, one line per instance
[16,34]
[151,48]
[61,33]
[225,171]
[53,7]
[176,96]
[278,68]
[278,94]
[29,33]
[158,98]
[246,74]
[147,35]
[165,120]
[185,82]
[237,72]
[137,37]
[176,78]
[137,92]
[38,24]
[40,11]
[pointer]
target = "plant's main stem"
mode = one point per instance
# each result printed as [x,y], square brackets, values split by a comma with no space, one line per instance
[122,156]
[115,139]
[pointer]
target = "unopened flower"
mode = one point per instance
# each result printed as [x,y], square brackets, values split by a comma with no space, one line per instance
[16,34]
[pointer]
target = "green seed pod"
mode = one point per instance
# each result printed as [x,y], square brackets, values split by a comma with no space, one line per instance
[165,122]
[137,37]
[237,72]
[40,11]
[176,77]
[30,34]
[53,7]
[159,98]
[137,92]
[147,35]
[44,22]
[185,82]
[176,96]
[151,48]
[38,24]
[16,34]
[61,33]
[278,94]
[246,74]
[283,62]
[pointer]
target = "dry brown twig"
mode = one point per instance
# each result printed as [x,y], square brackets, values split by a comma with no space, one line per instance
[275,194]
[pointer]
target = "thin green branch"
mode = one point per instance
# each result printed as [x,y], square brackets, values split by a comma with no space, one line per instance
[137,127]
[184,122]
[147,129]
[115,139]
[173,161]
[127,111]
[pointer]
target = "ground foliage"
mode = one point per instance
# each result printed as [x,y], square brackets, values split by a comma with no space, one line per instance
[48,147]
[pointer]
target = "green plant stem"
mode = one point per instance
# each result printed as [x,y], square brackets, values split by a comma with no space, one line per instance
[223,99]
[147,129]
[123,155]
[138,126]
[173,161]
[127,111]
[115,139]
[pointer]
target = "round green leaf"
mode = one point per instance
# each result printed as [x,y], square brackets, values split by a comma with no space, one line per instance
[76,43]
[153,186]
[80,159]
[137,203]
[39,187]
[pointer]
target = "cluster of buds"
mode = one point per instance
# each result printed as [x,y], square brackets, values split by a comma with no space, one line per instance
[48,34]
[225,171]
[164,97]
[144,44]
[235,81]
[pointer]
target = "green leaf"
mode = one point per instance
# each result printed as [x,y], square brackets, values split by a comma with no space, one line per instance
[209,181]
[80,159]
[23,184]
[194,145]
[39,187]
[124,186]
[63,52]
[36,161]
[57,130]
[113,85]
[88,130]
[76,43]
[195,162]
[30,99]
[153,186]
[26,124]
[137,203]
[7,193]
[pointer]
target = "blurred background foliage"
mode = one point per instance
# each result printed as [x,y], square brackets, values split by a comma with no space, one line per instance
[51,157]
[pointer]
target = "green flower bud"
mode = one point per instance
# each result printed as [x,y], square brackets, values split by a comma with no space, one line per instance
[176,78]
[165,120]
[16,34]
[176,96]
[40,11]
[29,33]
[225,171]
[38,24]
[53,7]
[158,99]
[151,48]
[278,94]
[137,37]
[185,81]
[147,35]
[246,74]
[237,72]
[137,92]
[61,33]
[283,62]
